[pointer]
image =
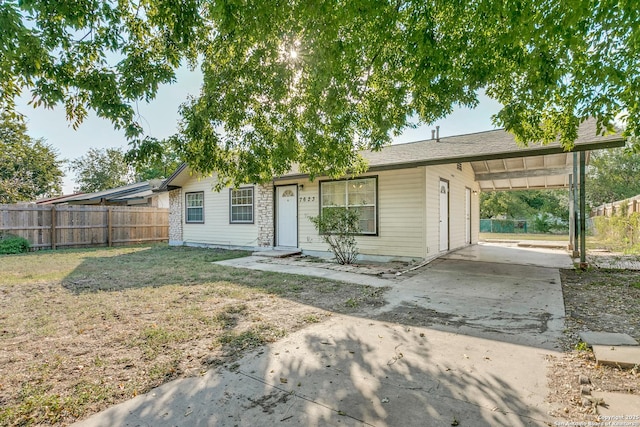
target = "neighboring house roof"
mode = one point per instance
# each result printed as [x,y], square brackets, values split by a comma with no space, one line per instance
[490,153]
[136,191]
[56,199]
[169,183]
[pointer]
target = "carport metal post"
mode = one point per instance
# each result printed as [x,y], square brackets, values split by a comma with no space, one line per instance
[576,207]
[583,240]
[572,219]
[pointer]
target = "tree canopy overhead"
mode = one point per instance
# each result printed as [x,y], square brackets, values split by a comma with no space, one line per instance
[612,175]
[312,82]
[29,168]
[524,204]
[101,169]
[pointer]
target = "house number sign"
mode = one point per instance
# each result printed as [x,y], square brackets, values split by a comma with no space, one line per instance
[304,199]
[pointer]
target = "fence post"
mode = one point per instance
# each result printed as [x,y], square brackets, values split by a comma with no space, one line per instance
[109,229]
[53,227]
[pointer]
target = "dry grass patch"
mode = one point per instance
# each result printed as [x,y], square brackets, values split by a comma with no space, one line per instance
[524,236]
[81,330]
[595,300]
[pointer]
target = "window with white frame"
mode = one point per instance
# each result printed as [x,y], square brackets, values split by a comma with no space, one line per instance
[241,205]
[195,207]
[358,194]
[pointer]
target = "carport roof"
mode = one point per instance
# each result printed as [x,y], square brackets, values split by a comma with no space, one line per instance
[488,145]
[524,173]
[498,161]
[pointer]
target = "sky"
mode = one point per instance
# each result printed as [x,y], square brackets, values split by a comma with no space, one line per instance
[160,119]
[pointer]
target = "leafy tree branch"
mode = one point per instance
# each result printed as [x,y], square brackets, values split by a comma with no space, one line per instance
[613,175]
[29,168]
[310,83]
[101,169]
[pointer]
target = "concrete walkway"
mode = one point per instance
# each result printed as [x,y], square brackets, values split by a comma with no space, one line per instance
[480,363]
[255,262]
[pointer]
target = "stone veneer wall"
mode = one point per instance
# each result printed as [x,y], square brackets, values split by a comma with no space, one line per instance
[264,214]
[175,216]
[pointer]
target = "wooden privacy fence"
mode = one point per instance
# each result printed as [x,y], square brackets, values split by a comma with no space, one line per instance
[51,226]
[624,207]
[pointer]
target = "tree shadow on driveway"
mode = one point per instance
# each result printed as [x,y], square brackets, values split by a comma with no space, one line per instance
[351,371]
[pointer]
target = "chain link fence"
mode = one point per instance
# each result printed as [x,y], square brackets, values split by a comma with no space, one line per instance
[522,226]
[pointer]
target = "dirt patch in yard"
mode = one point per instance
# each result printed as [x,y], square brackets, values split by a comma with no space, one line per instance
[394,269]
[595,300]
[83,330]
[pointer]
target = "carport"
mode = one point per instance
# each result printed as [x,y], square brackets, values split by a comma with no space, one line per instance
[548,167]
[499,163]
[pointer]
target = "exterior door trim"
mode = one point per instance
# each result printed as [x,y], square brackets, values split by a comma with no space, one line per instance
[441,217]
[467,215]
[277,208]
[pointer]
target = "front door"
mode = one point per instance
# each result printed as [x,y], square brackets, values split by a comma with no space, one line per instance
[467,215]
[287,216]
[444,215]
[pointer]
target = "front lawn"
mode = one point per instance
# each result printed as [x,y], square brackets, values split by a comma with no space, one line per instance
[81,330]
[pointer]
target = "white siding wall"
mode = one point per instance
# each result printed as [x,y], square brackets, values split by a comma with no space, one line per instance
[408,213]
[458,180]
[217,230]
[400,215]
[163,200]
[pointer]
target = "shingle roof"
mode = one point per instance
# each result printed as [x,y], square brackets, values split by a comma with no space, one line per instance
[493,144]
[482,145]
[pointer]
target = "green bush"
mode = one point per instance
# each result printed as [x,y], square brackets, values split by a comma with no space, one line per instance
[619,232]
[542,223]
[337,228]
[10,244]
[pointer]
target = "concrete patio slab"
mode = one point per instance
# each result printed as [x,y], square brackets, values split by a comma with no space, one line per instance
[491,252]
[606,338]
[546,244]
[355,372]
[623,356]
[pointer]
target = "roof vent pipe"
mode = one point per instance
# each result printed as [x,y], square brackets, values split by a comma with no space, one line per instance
[433,134]
[437,133]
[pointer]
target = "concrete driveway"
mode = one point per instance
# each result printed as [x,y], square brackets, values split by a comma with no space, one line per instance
[491,291]
[461,343]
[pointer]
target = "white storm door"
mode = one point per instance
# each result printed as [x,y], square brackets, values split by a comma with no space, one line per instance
[467,215]
[287,216]
[444,215]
